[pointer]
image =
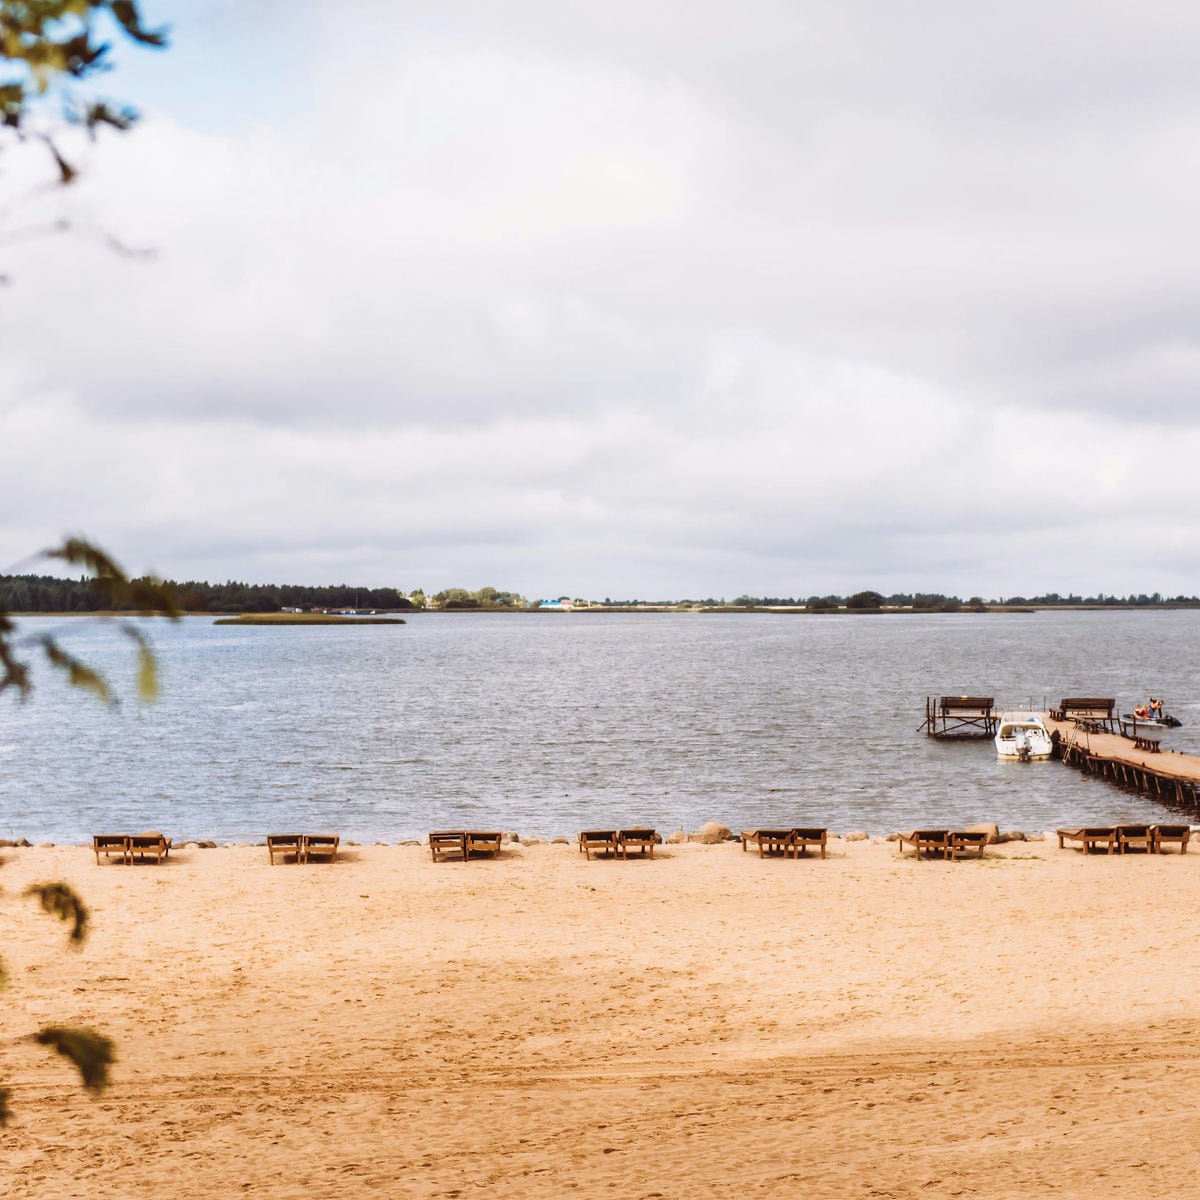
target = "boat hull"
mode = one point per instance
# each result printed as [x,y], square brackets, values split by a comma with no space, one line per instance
[1144,731]
[1010,751]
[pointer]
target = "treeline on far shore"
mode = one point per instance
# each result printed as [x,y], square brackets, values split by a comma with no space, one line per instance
[937,602]
[45,593]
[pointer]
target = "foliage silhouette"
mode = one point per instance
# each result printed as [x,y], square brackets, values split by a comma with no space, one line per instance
[50,51]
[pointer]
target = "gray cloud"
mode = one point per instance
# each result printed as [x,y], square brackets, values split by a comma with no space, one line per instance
[621,299]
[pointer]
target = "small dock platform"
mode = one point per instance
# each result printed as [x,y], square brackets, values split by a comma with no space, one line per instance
[960,716]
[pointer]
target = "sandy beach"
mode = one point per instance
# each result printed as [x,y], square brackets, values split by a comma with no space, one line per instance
[703,1024]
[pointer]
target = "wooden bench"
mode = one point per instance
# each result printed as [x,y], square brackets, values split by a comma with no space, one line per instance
[284,844]
[303,847]
[768,841]
[447,843]
[319,845]
[1090,838]
[462,843]
[1135,837]
[635,839]
[143,846]
[791,843]
[951,844]
[1095,712]
[1178,834]
[931,841]
[803,838]
[147,846]
[966,706]
[110,844]
[598,840]
[477,842]
[963,842]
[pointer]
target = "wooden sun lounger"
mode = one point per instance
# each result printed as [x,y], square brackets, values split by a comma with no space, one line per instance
[803,838]
[932,841]
[643,839]
[598,840]
[1171,833]
[1090,838]
[769,841]
[149,845]
[447,843]
[319,845]
[284,844]
[1135,837]
[476,842]
[110,844]
[791,843]
[963,842]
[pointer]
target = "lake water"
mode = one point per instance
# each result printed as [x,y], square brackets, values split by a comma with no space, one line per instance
[546,724]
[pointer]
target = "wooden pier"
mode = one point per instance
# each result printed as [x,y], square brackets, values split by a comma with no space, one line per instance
[1167,776]
[1086,735]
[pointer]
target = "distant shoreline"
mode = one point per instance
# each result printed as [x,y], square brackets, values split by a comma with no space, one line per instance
[305,619]
[780,610]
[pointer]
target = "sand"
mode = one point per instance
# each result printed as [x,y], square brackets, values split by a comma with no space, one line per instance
[703,1024]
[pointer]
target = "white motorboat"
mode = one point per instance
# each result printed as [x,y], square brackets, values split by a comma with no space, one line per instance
[1023,737]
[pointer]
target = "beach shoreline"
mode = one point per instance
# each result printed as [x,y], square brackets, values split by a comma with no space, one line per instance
[703,1023]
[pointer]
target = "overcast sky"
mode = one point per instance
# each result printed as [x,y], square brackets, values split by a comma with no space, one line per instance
[652,299]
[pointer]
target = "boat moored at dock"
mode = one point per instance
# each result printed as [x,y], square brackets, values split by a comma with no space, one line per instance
[1141,729]
[1023,737]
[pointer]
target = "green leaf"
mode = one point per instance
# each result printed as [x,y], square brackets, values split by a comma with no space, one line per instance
[66,172]
[61,901]
[126,13]
[16,674]
[103,113]
[147,679]
[12,101]
[145,594]
[151,596]
[90,1051]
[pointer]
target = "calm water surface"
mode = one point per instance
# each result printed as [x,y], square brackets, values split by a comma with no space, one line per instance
[546,724]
